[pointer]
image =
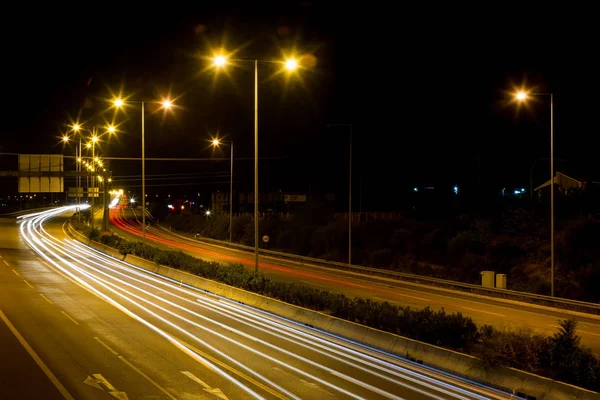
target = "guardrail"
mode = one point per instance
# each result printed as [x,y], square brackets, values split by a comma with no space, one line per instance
[532,298]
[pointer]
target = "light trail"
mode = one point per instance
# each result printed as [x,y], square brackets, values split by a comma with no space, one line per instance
[316,356]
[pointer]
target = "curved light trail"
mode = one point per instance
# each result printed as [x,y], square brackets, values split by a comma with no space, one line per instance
[283,358]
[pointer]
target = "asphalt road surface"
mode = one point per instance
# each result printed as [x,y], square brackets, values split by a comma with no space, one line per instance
[106,329]
[483,310]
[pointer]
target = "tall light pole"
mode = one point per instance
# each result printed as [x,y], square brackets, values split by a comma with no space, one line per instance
[522,96]
[349,126]
[79,164]
[94,140]
[216,142]
[290,65]
[166,104]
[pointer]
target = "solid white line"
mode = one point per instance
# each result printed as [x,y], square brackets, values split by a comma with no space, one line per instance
[65,393]
[68,316]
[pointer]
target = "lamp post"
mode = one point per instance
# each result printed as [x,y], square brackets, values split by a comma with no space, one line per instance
[349,126]
[216,142]
[522,96]
[290,65]
[95,138]
[166,104]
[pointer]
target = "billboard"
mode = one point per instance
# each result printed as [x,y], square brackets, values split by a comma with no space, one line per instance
[41,173]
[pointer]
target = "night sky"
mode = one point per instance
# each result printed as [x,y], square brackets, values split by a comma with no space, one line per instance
[426,89]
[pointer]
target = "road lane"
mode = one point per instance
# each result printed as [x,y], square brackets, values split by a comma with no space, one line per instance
[484,310]
[256,355]
[75,352]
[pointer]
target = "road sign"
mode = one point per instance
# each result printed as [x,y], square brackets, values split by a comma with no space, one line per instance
[75,192]
[294,198]
[93,192]
[41,173]
[265,239]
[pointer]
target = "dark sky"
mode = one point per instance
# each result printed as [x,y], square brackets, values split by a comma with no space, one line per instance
[424,87]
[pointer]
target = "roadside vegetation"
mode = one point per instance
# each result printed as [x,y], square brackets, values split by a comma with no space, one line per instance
[512,240]
[559,357]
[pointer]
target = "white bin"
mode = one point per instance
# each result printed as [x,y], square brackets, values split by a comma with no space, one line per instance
[501,281]
[487,278]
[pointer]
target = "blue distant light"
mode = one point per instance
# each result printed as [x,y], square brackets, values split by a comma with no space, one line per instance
[415,189]
[455,189]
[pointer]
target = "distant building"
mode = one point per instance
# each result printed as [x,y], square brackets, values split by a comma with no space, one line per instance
[564,183]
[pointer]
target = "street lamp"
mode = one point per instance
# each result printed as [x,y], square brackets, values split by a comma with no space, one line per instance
[220,61]
[216,142]
[166,104]
[523,96]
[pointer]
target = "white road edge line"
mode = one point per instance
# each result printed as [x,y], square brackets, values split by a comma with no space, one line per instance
[59,386]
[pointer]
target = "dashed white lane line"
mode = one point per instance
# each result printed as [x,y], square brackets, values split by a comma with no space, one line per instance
[47,299]
[7,264]
[16,273]
[71,318]
[107,347]
[481,311]
[28,284]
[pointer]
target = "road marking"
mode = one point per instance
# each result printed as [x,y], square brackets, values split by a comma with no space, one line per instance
[233,370]
[107,347]
[28,284]
[68,316]
[133,367]
[481,311]
[47,299]
[7,264]
[97,381]
[15,272]
[578,331]
[65,393]
[0,255]
[206,386]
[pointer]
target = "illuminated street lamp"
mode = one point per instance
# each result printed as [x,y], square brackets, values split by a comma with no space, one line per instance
[220,61]
[522,96]
[216,142]
[166,104]
[65,139]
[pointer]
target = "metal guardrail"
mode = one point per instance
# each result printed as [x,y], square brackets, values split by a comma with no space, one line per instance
[555,302]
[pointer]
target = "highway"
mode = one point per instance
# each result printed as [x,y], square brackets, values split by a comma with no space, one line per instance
[483,310]
[105,329]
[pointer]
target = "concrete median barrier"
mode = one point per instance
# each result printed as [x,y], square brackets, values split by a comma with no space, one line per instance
[514,381]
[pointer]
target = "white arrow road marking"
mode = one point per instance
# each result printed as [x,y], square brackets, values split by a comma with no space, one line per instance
[92,382]
[98,381]
[206,386]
